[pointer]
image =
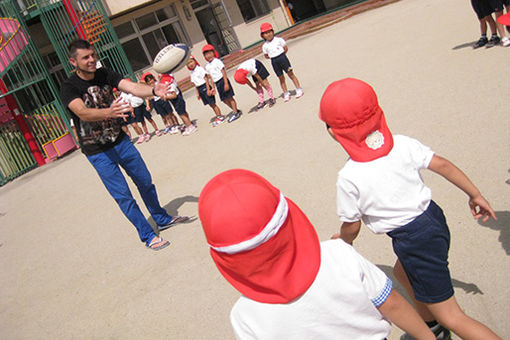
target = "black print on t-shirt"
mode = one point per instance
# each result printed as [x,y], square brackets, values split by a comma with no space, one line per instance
[105,131]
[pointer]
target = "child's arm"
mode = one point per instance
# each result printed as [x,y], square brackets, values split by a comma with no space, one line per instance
[209,84]
[225,79]
[285,49]
[348,231]
[198,94]
[400,312]
[251,85]
[478,204]
[266,56]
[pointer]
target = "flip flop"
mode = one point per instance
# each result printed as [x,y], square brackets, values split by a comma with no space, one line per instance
[175,220]
[158,240]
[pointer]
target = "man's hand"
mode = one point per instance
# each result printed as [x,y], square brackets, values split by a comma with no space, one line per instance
[119,109]
[162,90]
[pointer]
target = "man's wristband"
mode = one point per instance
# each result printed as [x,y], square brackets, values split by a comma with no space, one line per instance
[153,92]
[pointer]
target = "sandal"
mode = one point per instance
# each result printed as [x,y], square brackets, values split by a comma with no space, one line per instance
[158,240]
[175,220]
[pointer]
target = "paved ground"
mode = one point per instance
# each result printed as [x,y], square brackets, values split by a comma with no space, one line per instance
[72,266]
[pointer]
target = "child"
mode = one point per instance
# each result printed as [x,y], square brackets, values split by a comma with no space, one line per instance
[381,185]
[133,101]
[200,78]
[178,103]
[216,70]
[276,49]
[484,10]
[161,106]
[254,68]
[292,285]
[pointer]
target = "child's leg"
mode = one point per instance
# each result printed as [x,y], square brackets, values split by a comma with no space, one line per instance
[231,102]
[501,28]
[449,314]
[185,119]
[294,79]
[126,130]
[492,24]
[144,127]
[137,129]
[260,92]
[269,89]
[153,123]
[216,109]
[283,84]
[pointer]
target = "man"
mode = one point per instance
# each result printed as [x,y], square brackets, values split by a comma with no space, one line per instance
[88,96]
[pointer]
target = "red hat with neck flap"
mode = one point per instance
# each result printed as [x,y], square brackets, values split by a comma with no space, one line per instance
[261,242]
[350,108]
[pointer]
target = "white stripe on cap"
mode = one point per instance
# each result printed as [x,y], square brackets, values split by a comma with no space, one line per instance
[271,228]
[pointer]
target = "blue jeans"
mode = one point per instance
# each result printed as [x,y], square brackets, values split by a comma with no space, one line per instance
[107,166]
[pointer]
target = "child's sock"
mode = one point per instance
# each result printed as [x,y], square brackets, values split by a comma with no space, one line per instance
[270,92]
[261,95]
[431,323]
[484,36]
[494,35]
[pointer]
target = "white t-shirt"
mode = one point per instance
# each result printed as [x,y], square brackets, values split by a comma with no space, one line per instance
[388,192]
[248,65]
[274,47]
[214,69]
[197,76]
[340,303]
[134,101]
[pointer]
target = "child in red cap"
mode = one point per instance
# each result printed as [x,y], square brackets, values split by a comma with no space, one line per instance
[381,185]
[216,70]
[275,48]
[293,286]
[258,72]
[205,91]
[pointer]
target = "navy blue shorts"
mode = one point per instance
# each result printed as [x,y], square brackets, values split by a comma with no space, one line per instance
[261,71]
[484,8]
[422,247]
[162,107]
[202,92]
[140,113]
[179,104]
[281,63]
[220,86]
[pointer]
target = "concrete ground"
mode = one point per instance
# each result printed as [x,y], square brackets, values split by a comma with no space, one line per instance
[72,266]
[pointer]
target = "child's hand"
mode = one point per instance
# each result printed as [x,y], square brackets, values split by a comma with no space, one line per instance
[335,236]
[481,208]
[148,108]
[198,96]
[226,87]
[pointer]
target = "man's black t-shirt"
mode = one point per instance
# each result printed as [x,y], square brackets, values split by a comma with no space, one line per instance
[94,137]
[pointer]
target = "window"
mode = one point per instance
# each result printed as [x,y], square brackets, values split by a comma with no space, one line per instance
[143,37]
[52,63]
[251,9]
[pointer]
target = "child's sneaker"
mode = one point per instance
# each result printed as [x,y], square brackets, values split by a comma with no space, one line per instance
[174,129]
[439,331]
[218,121]
[494,40]
[271,102]
[189,130]
[261,105]
[234,116]
[505,42]
[481,42]
[159,133]
[167,130]
[141,139]
[299,93]
[286,96]
[147,137]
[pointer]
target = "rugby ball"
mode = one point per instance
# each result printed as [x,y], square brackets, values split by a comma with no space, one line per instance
[171,58]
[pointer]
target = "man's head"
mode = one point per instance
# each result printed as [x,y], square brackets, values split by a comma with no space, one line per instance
[82,56]
[261,242]
[353,117]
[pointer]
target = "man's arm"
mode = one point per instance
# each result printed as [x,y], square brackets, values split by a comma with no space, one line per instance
[401,313]
[348,232]
[118,109]
[477,203]
[144,90]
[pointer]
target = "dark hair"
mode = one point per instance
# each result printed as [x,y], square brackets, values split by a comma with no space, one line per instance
[78,44]
[148,77]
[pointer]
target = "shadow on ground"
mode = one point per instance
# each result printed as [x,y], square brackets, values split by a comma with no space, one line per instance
[468,44]
[173,206]
[503,226]
[469,288]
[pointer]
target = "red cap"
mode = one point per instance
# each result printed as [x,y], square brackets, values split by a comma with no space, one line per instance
[166,78]
[350,108]
[193,58]
[265,27]
[241,76]
[209,47]
[146,74]
[261,242]
[504,19]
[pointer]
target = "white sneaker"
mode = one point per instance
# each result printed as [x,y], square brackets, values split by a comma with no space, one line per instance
[299,93]
[286,96]
[189,130]
[505,41]
[174,129]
